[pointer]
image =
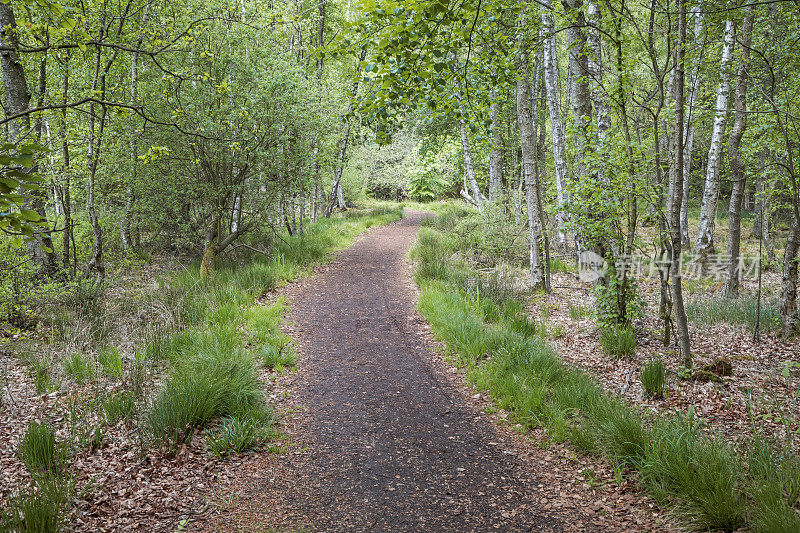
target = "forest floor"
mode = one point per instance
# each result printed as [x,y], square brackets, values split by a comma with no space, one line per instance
[382,433]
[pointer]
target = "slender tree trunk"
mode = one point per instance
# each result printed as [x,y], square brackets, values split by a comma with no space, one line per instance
[736,160]
[789,318]
[528,143]
[556,123]
[694,90]
[496,154]
[677,187]
[337,194]
[704,243]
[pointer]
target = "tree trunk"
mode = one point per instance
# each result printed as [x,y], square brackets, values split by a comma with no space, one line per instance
[211,240]
[677,187]
[688,147]
[556,124]
[496,154]
[789,319]
[337,194]
[469,169]
[704,243]
[17,100]
[528,143]
[736,160]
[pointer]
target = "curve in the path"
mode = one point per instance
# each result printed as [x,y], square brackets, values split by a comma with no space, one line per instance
[393,446]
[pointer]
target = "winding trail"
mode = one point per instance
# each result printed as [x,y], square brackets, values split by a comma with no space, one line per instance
[393,447]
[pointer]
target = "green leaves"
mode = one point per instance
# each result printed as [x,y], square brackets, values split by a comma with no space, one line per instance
[17,178]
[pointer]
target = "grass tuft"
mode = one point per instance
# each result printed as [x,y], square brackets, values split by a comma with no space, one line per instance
[237,434]
[618,341]
[40,451]
[654,379]
[79,368]
[735,311]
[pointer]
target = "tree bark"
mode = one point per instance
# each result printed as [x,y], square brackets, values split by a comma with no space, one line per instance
[681,321]
[694,89]
[556,123]
[528,143]
[496,154]
[17,100]
[736,160]
[704,243]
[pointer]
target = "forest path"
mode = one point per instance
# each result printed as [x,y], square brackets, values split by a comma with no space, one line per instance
[381,438]
[393,446]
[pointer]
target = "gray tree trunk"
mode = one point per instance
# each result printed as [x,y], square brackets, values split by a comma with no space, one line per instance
[528,143]
[694,89]
[736,160]
[496,155]
[704,243]
[556,123]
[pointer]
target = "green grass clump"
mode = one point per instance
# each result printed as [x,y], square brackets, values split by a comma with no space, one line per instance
[79,368]
[43,508]
[618,341]
[203,387]
[735,311]
[111,362]
[654,378]
[578,312]
[118,406]
[237,434]
[278,358]
[40,451]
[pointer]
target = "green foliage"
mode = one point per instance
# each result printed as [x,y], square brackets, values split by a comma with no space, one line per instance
[43,508]
[79,367]
[618,341]
[110,361]
[654,378]
[16,184]
[618,301]
[236,434]
[40,451]
[278,358]
[118,406]
[735,311]
[578,312]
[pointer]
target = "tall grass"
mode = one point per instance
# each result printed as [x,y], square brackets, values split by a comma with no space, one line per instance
[705,482]
[735,311]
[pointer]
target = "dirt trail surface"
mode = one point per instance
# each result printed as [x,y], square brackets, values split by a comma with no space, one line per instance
[388,442]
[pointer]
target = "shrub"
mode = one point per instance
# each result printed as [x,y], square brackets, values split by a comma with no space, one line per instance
[40,451]
[654,378]
[110,361]
[618,341]
[79,368]
[118,406]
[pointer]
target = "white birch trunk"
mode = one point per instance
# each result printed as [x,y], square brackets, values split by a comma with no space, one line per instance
[704,243]
[556,124]
[694,89]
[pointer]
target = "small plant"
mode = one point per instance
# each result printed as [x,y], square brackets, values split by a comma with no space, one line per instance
[42,375]
[278,358]
[578,312]
[119,406]
[618,341]
[235,435]
[654,379]
[40,451]
[111,361]
[79,368]
[40,509]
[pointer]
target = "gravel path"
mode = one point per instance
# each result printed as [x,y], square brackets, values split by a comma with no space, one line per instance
[392,446]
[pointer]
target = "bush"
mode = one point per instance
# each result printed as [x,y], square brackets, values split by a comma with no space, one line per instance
[79,368]
[618,341]
[654,378]
[40,451]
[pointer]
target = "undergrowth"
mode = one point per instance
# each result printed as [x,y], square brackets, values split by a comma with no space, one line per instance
[703,480]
